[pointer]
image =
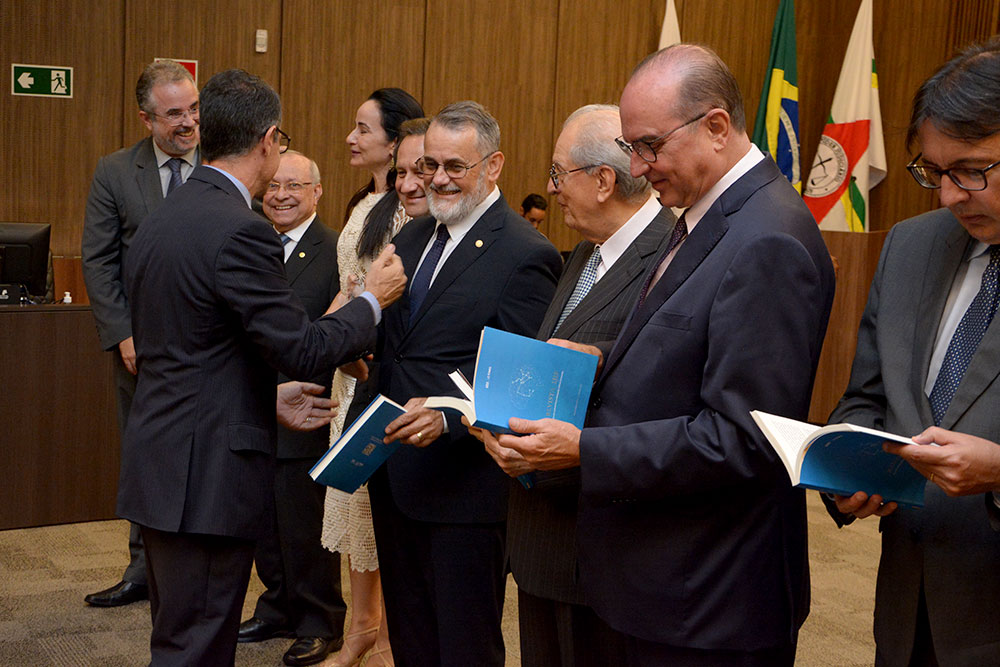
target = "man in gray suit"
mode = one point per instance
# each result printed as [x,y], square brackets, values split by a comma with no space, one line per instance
[625,230]
[929,355]
[128,185]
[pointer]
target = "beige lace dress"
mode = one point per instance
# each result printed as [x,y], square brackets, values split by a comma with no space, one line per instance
[347,517]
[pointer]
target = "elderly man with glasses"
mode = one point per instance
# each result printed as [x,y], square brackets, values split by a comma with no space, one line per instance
[929,356]
[692,542]
[128,185]
[439,504]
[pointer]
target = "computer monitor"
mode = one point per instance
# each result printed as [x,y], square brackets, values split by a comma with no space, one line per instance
[24,255]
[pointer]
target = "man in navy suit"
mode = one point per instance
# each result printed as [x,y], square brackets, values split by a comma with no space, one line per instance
[692,543]
[128,185]
[213,317]
[302,579]
[440,503]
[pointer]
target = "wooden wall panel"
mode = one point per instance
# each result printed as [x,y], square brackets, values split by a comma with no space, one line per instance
[502,55]
[334,55]
[219,35]
[50,146]
[593,60]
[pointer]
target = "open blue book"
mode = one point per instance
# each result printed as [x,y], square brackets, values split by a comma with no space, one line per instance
[842,459]
[517,376]
[359,452]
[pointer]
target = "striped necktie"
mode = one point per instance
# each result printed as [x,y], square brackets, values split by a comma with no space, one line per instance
[174,164]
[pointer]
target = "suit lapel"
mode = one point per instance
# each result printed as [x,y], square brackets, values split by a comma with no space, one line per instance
[422,228]
[147,177]
[572,271]
[305,251]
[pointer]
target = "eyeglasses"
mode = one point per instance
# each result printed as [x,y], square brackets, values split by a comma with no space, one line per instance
[967,178]
[554,175]
[284,141]
[455,170]
[177,116]
[646,148]
[293,187]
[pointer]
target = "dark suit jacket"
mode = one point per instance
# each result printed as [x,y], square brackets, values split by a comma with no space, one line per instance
[948,545]
[126,188]
[541,522]
[313,276]
[501,275]
[689,531]
[213,317]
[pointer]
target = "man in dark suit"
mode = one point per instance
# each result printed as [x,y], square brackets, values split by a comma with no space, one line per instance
[625,230]
[128,185]
[691,540]
[440,503]
[213,315]
[928,355]
[302,579]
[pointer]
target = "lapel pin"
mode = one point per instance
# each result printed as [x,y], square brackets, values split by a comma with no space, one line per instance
[301,255]
[479,243]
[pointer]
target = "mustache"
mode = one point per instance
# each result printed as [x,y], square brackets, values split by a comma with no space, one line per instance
[435,188]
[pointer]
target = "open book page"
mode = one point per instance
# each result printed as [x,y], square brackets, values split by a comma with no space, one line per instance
[788,437]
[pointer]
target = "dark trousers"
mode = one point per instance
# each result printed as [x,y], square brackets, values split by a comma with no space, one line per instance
[196,588]
[135,572]
[641,653]
[562,634]
[302,578]
[923,654]
[443,586]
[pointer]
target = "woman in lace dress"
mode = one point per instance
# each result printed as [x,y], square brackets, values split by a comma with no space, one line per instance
[374,215]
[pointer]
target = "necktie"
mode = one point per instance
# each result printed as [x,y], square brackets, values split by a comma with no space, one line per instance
[678,235]
[422,281]
[966,339]
[583,284]
[285,238]
[174,164]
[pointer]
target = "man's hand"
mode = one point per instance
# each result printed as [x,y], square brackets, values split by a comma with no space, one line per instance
[418,426]
[580,347]
[126,348]
[862,506]
[551,445]
[509,460]
[301,408]
[338,302]
[386,279]
[357,369]
[963,465]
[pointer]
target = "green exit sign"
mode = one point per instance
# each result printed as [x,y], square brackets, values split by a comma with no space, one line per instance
[41,80]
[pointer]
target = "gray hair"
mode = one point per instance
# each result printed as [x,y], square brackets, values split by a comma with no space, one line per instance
[160,71]
[599,125]
[313,167]
[705,84]
[460,115]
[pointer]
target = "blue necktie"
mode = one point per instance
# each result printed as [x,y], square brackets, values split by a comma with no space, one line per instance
[174,164]
[583,284]
[422,281]
[285,238]
[966,339]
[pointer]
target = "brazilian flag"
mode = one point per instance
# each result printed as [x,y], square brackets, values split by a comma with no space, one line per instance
[776,130]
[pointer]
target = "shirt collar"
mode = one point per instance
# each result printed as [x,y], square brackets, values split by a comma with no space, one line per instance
[296,233]
[459,229]
[237,182]
[618,242]
[700,207]
[161,157]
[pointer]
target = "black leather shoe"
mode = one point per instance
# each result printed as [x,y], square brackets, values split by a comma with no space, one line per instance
[255,630]
[122,593]
[309,650]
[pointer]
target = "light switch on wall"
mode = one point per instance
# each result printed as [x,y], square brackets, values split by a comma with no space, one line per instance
[261,43]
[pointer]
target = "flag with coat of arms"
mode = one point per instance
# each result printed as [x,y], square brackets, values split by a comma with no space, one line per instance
[850,159]
[776,130]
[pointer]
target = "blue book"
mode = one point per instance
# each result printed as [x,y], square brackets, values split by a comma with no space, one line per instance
[358,453]
[842,459]
[517,376]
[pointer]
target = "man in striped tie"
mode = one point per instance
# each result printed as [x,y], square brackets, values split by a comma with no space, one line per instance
[928,355]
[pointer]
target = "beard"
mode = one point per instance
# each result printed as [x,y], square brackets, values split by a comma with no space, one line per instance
[450,213]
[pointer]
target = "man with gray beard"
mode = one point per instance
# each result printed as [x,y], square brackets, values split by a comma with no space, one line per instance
[440,503]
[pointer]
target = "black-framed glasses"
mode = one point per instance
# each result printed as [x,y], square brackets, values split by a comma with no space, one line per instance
[177,116]
[967,178]
[646,148]
[428,167]
[284,141]
[293,187]
[554,175]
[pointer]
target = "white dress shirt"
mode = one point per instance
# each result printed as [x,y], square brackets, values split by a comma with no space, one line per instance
[187,166]
[296,234]
[618,243]
[457,231]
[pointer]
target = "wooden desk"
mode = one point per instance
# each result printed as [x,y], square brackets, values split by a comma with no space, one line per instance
[59,443]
